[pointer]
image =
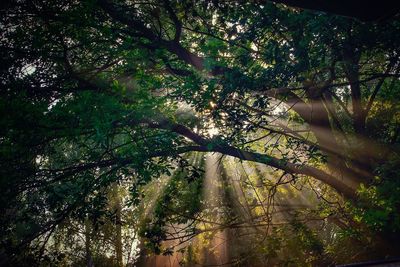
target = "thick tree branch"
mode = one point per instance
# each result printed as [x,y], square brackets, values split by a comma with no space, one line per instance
[176,21]
[288,167]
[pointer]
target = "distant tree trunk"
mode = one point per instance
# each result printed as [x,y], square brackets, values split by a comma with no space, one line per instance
[118,240]
[89,259]
[118,227]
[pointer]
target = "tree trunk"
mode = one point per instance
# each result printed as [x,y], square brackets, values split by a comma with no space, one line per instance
[118,226]
[88,229]
[118,239]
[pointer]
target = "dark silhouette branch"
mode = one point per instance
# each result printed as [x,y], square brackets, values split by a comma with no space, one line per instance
[226,149]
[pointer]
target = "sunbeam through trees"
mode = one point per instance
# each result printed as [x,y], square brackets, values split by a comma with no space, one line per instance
[199,133]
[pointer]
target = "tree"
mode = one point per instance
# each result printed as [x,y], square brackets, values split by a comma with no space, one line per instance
[98,92]
[373,11]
